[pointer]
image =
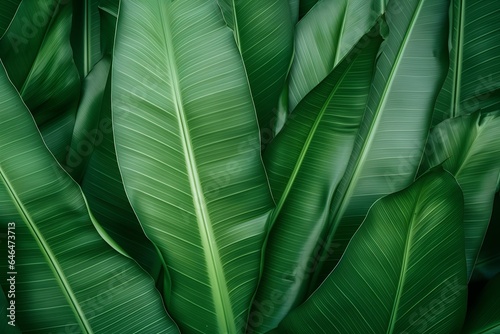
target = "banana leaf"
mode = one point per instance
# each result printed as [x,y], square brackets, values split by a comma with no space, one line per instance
[187,144]
[37,54]
[92,163]
[7,11]
[108,12]
[67,277]
[305,164]
[264,33]
[473,80]
[468,147]
[305,6]
[410,70]
[85,35]
[323,37]
[403,272]
[484,316]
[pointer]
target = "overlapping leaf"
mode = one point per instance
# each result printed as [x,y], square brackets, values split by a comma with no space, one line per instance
[69,279]
[406,258]
[37,54]
[469,148]
[7,11]
[188,149]
[263,30]
[484,316]
[323,37]
[473,80]
[305,164]
[391,141]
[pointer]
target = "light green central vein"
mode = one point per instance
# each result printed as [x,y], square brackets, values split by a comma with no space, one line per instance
[305,147]
[220,293]
[51,258]
[404,268]
[339,210]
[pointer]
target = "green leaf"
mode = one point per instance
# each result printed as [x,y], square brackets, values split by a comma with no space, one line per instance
[294,10]
[323,37]
[85,36]
[473,80]
[386,155]
[39,61]
[488,261]
[468,147]
[263,30]
[71,279]
[7,11]
[305,164]
[92,163]
[484,316]
[108,10]
[188,148]
[403,271]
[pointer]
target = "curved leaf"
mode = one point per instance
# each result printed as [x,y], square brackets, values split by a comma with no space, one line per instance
[305,163]
[188,148]
[469,148]
[7,11]
[484,316]
[92,163]
[323,37]
[473,80]
[68,278]
[108,12]
[387,152]
[263,30]
[37,54]
[403,271]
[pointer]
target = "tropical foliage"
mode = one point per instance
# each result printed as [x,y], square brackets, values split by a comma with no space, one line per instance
[280,166]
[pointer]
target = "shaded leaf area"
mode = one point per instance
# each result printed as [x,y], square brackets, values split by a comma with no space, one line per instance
[5,311]
[323,37]
[469,148]
[65,261]
[305,6]
[92,163]
[85,35]
[108,12]
[7,11]
[410,242]
[488,261]
[188,149]
[263,30]
[37,54]
[392,137]
[473,80]
[484,316]
[305,164]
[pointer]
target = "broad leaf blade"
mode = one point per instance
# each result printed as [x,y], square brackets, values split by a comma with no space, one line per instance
[484,316]
[264,33]
[323,37]
[188,148]
[468,147]
[39,60]
[305,164]
[386,155]
[7,11]
[406,257]
[473,80]
[69,279]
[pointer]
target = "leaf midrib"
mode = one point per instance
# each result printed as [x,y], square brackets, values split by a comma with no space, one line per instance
[49,256]
[307,144]
[220,293]
[457,73]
